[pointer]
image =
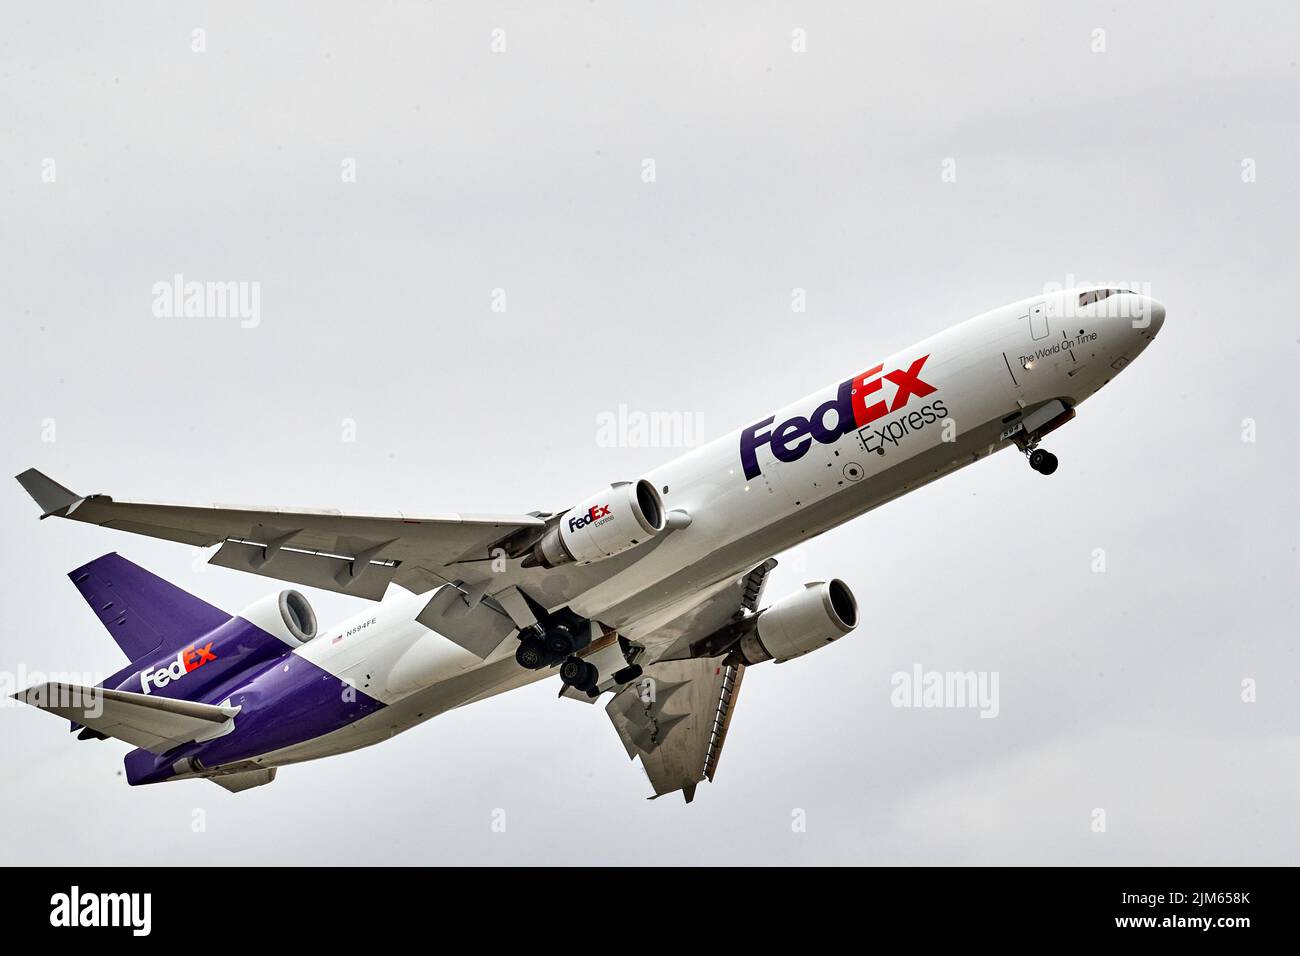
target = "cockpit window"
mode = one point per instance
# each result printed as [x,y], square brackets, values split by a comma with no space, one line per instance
[1096,295]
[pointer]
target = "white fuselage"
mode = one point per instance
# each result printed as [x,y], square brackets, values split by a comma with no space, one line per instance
[958,405]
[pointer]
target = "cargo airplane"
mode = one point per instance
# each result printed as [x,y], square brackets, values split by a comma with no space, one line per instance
[648,590]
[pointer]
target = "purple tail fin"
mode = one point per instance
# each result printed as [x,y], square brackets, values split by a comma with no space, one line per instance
[140,610]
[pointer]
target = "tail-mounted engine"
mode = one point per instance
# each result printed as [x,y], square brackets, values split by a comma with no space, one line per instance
[623,516]
[286,615]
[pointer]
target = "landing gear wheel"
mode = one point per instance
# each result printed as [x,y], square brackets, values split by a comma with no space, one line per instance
[627,674]
[531,653]
[572,671]
[1043,462]
[579,674]
[559,643]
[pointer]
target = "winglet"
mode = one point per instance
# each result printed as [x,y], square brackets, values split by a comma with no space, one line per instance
[46,492]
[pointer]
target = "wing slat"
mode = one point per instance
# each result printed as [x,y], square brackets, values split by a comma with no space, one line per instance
[722,722]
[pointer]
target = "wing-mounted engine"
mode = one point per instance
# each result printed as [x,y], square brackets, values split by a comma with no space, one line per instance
[675,714]
[617,519]
[823,612]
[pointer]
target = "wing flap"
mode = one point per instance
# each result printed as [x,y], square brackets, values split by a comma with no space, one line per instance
[675,718]
[479,629]
[348,576]
[156,724]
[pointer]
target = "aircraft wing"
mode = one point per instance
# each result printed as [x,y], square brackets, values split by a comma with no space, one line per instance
[675,717]
[717,607]
[351,554]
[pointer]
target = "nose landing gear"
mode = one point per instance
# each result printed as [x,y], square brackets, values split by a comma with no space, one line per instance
[1043,461]
[1029,431]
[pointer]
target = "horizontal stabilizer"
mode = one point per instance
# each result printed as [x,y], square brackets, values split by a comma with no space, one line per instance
[156,724]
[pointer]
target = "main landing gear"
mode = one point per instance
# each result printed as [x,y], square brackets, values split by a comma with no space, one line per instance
[579,674]
[558,645]
[546,647]
[559,637]
[531,654]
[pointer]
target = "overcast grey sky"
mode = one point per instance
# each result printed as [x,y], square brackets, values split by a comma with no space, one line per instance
[1161,152]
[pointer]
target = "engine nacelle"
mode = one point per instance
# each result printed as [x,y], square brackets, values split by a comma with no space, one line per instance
[286,615]
[623,516]
[822,612]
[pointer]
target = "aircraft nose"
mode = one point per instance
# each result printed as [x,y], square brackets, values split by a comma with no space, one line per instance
[1146,315]
[1157,313]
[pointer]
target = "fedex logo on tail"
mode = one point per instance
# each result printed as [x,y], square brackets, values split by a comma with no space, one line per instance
[858,402]
[191,658]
